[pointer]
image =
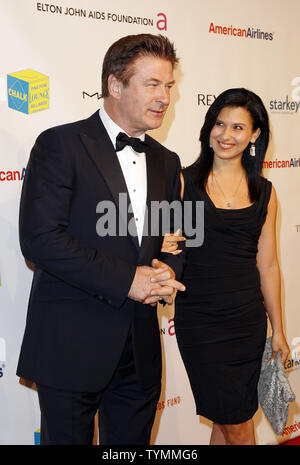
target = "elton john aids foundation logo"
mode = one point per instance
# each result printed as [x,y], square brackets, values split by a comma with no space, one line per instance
[28,91]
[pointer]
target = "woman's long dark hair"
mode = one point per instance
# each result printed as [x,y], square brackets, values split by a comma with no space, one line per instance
[253,165]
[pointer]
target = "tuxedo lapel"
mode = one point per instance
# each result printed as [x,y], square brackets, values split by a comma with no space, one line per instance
[155,190]
[100,149]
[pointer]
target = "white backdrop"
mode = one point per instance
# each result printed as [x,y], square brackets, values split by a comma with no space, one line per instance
[254,44]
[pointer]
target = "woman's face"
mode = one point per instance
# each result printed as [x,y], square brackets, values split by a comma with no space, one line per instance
[232,133]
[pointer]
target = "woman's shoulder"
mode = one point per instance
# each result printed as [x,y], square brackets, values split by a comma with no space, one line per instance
[190,182]
[265,184]
[266,188]
[189,172]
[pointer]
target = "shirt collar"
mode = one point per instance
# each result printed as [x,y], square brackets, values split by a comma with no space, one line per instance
[112,128]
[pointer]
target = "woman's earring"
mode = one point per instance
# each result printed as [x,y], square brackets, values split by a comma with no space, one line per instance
[252,150]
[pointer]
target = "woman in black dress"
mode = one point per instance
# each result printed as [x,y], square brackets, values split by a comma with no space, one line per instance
[233,280]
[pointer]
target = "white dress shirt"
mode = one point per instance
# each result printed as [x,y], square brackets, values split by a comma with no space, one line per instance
[133,165]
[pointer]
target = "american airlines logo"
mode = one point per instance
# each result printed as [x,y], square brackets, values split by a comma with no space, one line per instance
[236,31]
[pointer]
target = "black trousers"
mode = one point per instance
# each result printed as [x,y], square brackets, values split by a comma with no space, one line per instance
[126,411]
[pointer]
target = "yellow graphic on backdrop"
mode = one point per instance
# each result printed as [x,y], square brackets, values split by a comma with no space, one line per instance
[28,91]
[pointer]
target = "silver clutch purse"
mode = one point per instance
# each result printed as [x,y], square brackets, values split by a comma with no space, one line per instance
[274,390]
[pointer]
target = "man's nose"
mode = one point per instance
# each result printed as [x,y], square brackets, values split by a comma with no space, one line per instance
[164,95]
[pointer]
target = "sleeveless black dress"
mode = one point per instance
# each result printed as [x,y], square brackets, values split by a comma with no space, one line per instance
[220,319]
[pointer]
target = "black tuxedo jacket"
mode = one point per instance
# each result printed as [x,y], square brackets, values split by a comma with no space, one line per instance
[79,314]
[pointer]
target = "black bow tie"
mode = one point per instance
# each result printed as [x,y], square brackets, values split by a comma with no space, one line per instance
[137,144]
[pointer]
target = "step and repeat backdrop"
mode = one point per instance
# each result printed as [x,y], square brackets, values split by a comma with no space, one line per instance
[50,68]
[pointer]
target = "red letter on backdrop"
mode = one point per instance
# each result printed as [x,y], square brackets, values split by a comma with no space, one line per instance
[211,27]
[164,21]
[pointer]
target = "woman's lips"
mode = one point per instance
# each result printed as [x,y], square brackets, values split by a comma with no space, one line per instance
[225,146]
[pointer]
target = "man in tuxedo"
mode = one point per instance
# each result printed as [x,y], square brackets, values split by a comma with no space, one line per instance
[92,339]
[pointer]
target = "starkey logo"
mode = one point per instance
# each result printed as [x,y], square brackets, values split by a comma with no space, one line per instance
[28,91]
[290,104]
[240,32]
[293,361]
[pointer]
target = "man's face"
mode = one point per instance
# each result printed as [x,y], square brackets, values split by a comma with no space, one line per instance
[143,102]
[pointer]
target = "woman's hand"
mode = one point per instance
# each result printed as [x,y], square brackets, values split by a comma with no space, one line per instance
[170,243]
[279,344]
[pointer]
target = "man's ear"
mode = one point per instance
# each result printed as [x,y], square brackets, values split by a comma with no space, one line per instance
[114,86]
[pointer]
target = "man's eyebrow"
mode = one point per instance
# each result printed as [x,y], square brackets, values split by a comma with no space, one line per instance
[158,81]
